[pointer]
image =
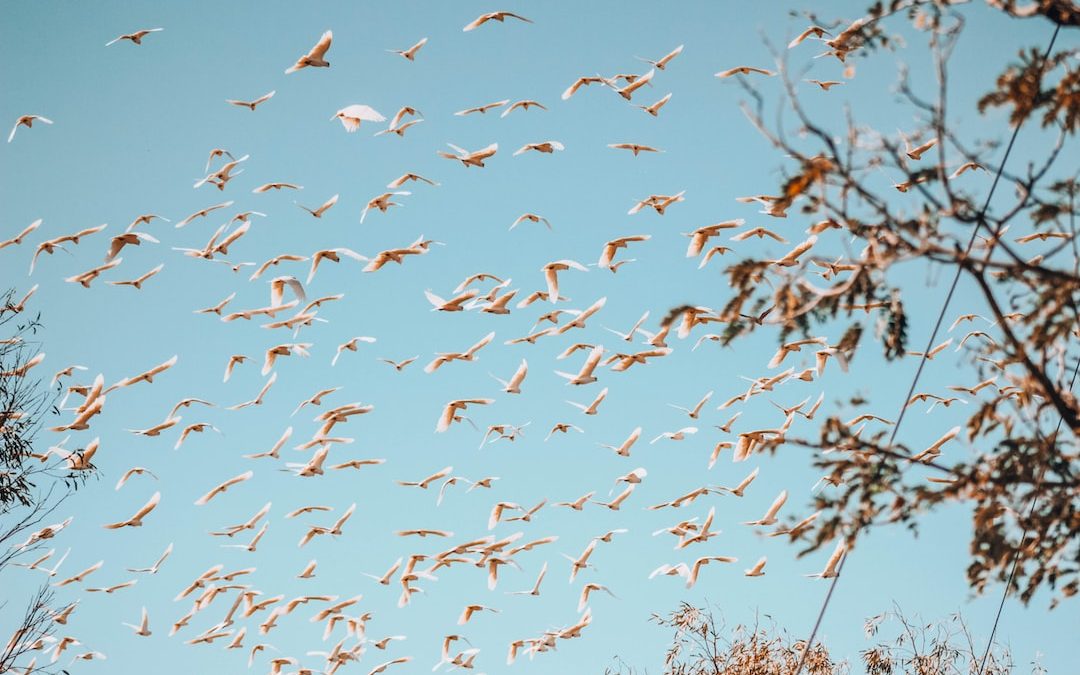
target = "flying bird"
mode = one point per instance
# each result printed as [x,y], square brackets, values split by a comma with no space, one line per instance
[410,53]
[135,37]
[28,122]
[316,58]
[492,16]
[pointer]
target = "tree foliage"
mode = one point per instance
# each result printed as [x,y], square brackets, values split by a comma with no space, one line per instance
[1022,483]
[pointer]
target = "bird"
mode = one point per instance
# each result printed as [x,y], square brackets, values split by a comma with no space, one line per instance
[134,471]
[691,577]
[661,63]
[744,70]
[770,515]
[410,53]
[266,187]
[966,166]
[406,177]
[326,206]
[467,158]
[482,108]
[136,520]
[551,271]
[254,103]
[635,148]
[740,489]
[143,629]
[18,239]
[350,345]
[916,152]
[137,282]
[627,91]
[679,435]
[400,365]
[450,412]
[135,37]
[654,109]
[352,116]
[223,487]
[694,412]
[623,449]
[532,218]
[81,576]
[202,213]
[454,304]
[546,147]
[760,233]
[591,409]
[535,590]
[658,203]
[585,375]
[316,57]
[579,83]
[758,570]
[383,666]
[833,562]
[524,104]
[934,351]
[153,569]
[934,449]
[812,31]
[492,16]
[28,122]
[513,385]
[825,84]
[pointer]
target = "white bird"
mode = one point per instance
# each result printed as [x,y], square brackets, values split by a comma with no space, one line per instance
[770,516]
[143,629]
[136,520]
[513,385]
[758,570]
[592,408]
[316,57]
[661,63]
[492,16]
[679,435]
[153,569]
[277,289]
[450,412]
[326,206]
[551,276]
[585,375]
[830,570]
[252,104]
[691,577]
[351,116]
[535,590]
[696,410]
[623,450]
[135,37]
[546,147]
[467,158]
[351,345]
[18,239]
[410,53]
[223,487]
[28,122]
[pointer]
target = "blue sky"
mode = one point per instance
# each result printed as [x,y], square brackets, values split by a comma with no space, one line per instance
[133,126]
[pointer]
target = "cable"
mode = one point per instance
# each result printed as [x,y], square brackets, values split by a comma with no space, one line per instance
[922,361]
[1023,540]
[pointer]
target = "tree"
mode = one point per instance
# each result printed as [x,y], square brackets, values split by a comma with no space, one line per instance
[702,645]
[1021,485]
[32,484]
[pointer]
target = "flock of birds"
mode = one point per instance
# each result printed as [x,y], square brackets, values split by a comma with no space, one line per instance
[245,617]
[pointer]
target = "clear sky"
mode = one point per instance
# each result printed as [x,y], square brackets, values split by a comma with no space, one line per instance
[133,126]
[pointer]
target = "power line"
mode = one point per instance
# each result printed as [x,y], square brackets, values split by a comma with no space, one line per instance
[979,221]
[1023,540]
